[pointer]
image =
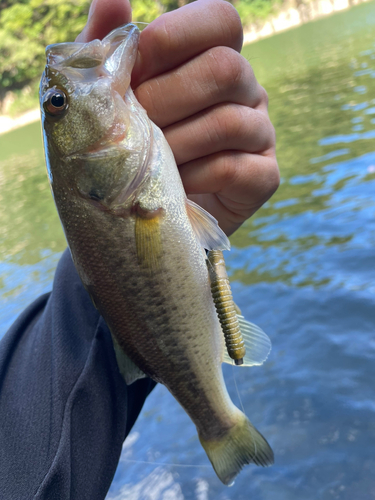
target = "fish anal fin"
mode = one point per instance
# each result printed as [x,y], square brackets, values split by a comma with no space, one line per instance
[127,368]
[206,228]
[257,344]
[148,238]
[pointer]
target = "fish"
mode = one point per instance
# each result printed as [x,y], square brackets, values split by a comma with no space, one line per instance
[140,245]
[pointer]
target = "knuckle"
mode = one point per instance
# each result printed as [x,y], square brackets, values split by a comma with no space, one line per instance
[240,117]
[163,36]
[232,21]
[219,127]
[257,122]
[229,124]
[227,68]
[233,121]
[273,177]
[228,170]
[265,130]
[256,128]
[263,96]
[230,121]
[269,133]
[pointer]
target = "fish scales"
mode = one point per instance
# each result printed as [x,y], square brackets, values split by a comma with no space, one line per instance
[150,304]
[133,239]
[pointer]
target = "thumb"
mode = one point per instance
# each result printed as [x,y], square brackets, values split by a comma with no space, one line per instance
[104,16]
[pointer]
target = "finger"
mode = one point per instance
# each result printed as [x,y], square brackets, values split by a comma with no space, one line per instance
[177,36]
[218,75]
[251,178]
[263,102]
[105,16]
[223,127]
[237,184]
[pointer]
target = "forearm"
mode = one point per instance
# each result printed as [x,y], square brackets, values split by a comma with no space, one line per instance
[63,404]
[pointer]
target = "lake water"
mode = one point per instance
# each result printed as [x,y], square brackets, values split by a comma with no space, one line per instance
[303,269]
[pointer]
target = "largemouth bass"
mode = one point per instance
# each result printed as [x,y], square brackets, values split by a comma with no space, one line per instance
[139,244]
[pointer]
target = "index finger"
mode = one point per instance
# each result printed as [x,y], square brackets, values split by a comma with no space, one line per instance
[178,36]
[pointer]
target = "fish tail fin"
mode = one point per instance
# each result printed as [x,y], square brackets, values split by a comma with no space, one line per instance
[241,445]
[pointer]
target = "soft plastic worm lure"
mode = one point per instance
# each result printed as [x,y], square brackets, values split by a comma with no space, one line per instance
[225,307]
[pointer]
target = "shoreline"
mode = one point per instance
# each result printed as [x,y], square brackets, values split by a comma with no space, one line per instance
[7,123]
[293,13]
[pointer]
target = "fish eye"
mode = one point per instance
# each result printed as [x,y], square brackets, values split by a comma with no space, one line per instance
[55,102]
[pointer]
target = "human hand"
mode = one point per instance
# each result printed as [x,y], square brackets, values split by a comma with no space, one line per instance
[195,85]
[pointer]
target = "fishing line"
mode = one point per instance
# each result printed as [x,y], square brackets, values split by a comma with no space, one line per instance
[140,22]
[243,409]
[162,463]
[235,383]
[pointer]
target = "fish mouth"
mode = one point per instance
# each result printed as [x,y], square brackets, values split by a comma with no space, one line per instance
[76,66]
[113,56]
[76,55]
[88,55]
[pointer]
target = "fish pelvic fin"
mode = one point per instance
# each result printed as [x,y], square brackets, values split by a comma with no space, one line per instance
[240,446]
[127,368]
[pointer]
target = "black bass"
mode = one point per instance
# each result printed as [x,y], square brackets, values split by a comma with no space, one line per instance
[139,244]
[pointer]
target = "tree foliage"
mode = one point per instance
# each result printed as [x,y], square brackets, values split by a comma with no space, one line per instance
[27,26]
[252,11]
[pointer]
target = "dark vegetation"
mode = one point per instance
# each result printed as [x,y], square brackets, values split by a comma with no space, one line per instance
[27,26]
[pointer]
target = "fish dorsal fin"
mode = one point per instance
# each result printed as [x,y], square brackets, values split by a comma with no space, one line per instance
[127,368]
[206,228]
[257,343]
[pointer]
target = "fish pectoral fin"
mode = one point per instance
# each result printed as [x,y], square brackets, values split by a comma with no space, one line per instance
[206,228]
[240,446]
[127,368]
[257,344]
[148,241]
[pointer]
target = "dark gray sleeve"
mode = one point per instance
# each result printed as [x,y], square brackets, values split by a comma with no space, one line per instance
[64,408]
